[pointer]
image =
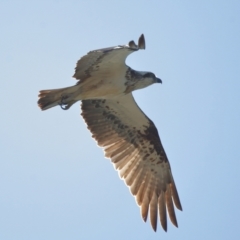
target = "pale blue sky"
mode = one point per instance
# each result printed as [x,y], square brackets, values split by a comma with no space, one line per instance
[55,182]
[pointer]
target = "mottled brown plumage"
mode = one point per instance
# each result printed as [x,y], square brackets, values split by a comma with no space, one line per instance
[129,138]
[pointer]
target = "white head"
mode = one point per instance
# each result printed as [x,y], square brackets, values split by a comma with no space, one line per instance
[147,79]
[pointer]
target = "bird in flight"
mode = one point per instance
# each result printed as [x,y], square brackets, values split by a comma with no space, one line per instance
[129,138]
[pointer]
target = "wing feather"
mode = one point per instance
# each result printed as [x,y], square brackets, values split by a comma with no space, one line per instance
[162,210]
[120,164]
[133,174]
[144,208]
[154,211]
[170,208]
[175,196]
[129,167]
[104,59]
[116,149]
[138,181]
[119,157]
[132,142]
[127,153]
[143,190]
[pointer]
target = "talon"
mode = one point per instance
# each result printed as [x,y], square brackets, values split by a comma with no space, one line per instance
[64,106]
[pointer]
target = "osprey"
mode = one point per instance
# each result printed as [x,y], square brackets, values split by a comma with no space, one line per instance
[129,138]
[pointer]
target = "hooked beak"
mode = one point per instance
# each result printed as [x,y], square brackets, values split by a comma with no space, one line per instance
[158,80]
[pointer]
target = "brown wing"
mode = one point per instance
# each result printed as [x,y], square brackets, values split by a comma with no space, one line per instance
[131,141]
[105,59]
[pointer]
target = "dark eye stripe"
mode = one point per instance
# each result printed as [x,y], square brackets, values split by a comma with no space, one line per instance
[149,75]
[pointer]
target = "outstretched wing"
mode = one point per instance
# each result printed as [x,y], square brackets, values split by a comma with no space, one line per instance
[104,59]
[131,141]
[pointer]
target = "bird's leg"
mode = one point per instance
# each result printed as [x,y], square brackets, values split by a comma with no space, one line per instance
[62,104]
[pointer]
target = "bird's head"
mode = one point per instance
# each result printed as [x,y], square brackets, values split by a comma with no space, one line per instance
[147,79]
[150,77]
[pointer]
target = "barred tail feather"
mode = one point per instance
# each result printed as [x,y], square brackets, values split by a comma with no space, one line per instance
[54,97]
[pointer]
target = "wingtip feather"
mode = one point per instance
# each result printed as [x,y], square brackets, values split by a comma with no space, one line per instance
[174,194]
[170,207]
[132,45]
[162,211]
[154,211]
[141,42]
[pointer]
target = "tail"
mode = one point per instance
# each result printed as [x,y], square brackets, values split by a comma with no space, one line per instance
[51,98]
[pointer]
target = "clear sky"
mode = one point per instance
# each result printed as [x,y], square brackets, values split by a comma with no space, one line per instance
[55,182]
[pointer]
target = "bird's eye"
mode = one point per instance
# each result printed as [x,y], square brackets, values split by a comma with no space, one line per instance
[149,75]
